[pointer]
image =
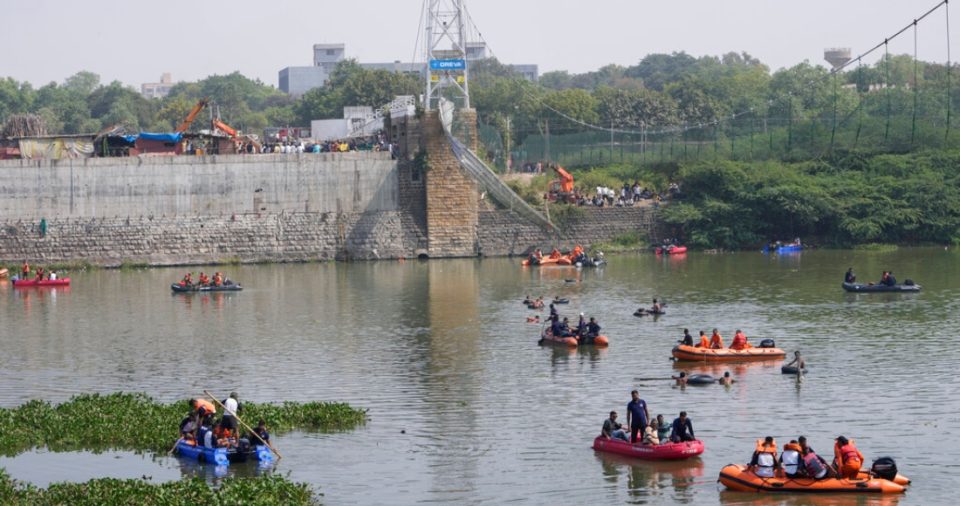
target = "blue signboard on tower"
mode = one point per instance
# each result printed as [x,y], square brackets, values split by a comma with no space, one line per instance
[457,64]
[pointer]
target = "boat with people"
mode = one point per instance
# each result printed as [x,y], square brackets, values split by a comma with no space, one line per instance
[741,478]
[576,257]
[670,250]
[547,337]
[908,286]
[26,283]
[223,456]
[228,286]
[698,354]
[666,451]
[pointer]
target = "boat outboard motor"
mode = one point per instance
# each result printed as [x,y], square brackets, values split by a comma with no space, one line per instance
[885,467]
[908,282]
[768,343]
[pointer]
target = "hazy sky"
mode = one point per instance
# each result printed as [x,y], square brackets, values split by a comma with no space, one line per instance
[135,41]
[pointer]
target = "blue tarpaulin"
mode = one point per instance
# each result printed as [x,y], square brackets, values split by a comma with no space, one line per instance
[168,137]
[130,138]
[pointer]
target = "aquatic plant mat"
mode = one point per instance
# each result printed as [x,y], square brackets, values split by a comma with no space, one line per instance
[265,490]
[125,421]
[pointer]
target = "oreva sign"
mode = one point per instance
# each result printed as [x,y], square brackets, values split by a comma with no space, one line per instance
[448,64]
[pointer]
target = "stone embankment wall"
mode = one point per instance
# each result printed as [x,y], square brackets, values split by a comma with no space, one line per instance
[503,232]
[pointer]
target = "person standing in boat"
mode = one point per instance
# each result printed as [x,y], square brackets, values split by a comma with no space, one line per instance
[25,270]
[231,408]
[637,415]
[850,277]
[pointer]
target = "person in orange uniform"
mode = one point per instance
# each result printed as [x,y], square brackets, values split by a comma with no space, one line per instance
[716,342]
[739,341]
[204,279]
[847,458]
[704,342]
[217,279]
[187,280]
[25,270]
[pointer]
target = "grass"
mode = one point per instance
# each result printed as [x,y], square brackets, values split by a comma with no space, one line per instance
[265,490]
[630,241]
[876,247]
[125,421]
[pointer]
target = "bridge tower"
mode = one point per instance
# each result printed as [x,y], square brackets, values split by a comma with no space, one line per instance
[446,52]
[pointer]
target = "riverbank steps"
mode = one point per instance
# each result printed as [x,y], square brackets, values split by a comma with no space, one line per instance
[262,490]
[134,421]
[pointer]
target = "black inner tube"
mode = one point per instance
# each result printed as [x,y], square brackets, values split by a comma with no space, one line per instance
[701,379]
[791,370]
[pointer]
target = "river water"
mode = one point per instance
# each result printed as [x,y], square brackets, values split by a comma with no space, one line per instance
[466,408]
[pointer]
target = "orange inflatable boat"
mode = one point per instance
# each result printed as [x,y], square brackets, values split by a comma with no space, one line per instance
[695,354]
[738,477]
[547,338]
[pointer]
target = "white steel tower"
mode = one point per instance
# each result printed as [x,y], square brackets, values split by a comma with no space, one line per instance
[446,51]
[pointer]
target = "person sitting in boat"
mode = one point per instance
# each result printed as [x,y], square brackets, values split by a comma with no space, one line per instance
[850,277]
[592,331]
[204,280]
[565,328]
[650,435]
[535,257]
[687,338]
[847,458]
[790,459]
[663,429]
[681,379]
[798,360]
[188,426]
[205,434]
[891,280]
[884,277]
[740,341]
[555,254]
[682,429]
[52,276]
[612,429]
[716,342]
[261,431]
[581,327]
[39,274]
[726,379]
[812,465]
[764,461]
[704,340]
[187,280]
[656,308]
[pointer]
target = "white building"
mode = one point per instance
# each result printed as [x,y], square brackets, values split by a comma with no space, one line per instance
[158,90]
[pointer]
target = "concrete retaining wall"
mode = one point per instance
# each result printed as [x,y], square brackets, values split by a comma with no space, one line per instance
[199,186]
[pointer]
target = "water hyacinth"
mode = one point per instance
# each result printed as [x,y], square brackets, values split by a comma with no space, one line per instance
[266,490]
[134,421]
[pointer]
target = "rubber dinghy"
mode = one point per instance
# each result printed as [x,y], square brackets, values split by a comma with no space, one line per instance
[26,283]
[231,287]
[546,337]
[222,456]
[695,354]
[738,477]
[853,287]
[666,451]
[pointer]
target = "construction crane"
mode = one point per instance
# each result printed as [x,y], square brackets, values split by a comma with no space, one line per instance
[193,115]
[561,190]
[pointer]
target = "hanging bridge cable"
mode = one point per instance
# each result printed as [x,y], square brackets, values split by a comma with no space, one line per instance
[916,88]
[416,43]
[860,93]
[886,90]
[833,130]
[946,133]
[673,129]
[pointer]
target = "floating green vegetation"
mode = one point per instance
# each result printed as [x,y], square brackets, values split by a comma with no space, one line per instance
[266,490]
[125,421]
[876,247]
[129,265]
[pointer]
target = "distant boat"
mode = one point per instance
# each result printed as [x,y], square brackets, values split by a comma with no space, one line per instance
[853,287]
[26,283]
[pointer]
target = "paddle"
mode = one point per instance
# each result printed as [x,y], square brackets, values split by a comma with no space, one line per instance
[653,379]
[245,426]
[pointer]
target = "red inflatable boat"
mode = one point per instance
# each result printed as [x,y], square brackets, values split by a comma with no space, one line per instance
[23,283]
[666,451]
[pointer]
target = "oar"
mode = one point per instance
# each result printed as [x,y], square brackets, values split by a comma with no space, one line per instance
[652,379]
[245,426]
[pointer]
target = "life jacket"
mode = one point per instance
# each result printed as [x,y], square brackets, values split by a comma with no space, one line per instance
[207,407]
[790,458]
[715,339]
[704,342]
[813,467]
[766,459]
[849,452]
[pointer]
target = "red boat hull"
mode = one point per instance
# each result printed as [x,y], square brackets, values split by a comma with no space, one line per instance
[25,283]
[673,251]
[667,451]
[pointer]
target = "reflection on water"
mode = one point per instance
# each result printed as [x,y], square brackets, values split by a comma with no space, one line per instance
[730,498]
[466,408]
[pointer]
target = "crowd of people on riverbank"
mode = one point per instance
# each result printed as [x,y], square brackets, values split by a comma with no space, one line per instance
[645,430]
